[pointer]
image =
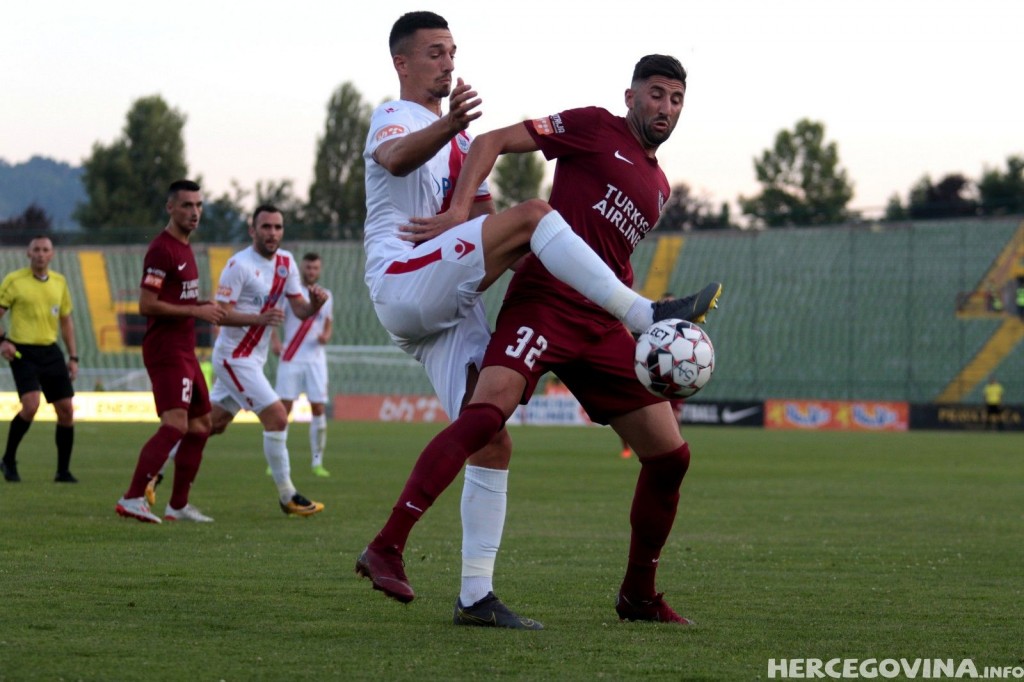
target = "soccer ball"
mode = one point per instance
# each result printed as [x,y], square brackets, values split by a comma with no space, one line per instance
[674,358]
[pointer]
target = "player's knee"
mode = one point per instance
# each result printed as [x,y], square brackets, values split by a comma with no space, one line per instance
[670,468]
[201,426]
[533,211]
[218,425]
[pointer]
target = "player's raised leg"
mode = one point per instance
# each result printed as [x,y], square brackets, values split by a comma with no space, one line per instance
[534,226]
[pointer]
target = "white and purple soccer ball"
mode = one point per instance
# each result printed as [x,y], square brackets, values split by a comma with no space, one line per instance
[674,359]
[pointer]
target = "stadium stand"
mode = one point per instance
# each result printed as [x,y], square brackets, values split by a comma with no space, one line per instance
[842,313]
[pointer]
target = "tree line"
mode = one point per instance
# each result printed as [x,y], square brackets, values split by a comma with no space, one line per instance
[802,184]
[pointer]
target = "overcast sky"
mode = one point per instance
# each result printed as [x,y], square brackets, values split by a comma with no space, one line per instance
[904,87]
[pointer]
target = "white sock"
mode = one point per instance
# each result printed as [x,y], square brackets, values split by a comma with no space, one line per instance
[484,497]
[567,257]
[318,438]
[275,449]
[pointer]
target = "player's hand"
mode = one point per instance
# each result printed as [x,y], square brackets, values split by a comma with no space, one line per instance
[209,312]
[73,369]
[423,229]
[317,296]
[271,317]
[7,350]
[461,104]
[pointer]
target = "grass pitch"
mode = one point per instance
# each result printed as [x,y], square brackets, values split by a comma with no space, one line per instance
[787,545]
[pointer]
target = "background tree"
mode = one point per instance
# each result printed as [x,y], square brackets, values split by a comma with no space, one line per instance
[126,182]
[224,217]
[684,211]
[337,196]
[281,194]
[801,179]
[950,198]
[517,177]
[19,230]
[1003,193]
[894,209]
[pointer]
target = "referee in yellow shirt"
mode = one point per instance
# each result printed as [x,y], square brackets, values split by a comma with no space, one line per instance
[39,302]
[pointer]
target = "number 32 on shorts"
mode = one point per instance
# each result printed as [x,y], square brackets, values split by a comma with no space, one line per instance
[531,343]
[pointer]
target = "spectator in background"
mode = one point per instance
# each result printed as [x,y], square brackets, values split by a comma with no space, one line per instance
[994,404]
[40,303]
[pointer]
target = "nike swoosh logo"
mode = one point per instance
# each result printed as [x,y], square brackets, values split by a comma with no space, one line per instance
[182,266]
[620,157]
[412,506]
[730,417]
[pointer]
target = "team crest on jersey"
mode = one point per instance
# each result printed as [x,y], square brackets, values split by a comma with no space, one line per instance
[661,201]
[224,292]
[389,131]
[282,271]
[463,141]
[55,311]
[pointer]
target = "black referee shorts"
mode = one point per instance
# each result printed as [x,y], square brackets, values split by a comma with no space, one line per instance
[42,368]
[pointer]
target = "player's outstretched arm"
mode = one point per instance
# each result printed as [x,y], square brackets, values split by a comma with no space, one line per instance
[479,163]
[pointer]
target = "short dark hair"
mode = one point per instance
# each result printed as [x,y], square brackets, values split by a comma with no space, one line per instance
[311,256]
[182,186]
[263,208]
[659,65]
[409,23]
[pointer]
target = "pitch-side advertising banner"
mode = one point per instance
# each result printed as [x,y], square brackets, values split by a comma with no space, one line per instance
[122,406]
[836,415]
[544,410]
[722,414]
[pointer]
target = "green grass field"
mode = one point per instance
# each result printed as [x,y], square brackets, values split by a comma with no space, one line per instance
[787,545]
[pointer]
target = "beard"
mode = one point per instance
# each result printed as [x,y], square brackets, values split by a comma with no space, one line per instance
[440,91]
[656,137]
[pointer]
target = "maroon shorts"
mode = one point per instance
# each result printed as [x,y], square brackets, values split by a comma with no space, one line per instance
[593,357]
[179,383]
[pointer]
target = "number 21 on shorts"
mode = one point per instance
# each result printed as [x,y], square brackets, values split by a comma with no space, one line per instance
[531,343]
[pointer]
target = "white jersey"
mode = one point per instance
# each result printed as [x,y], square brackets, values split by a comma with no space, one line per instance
[254,284]
[300,336]
[391,200]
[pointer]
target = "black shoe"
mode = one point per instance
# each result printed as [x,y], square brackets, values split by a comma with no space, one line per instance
[491,613]
[690,308]
[10,470]
[64,477]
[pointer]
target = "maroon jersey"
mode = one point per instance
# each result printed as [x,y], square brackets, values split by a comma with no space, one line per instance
[606,188]
[170,270]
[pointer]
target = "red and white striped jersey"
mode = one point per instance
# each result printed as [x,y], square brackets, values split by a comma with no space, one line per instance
[254,284]
[300,336]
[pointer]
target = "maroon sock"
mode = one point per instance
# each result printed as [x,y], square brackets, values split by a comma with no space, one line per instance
[154,454]
[186,466]
[654,510]
[437,466]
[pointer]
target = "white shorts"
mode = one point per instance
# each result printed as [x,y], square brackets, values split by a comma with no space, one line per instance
[430,306]
[295,377]
[241,385]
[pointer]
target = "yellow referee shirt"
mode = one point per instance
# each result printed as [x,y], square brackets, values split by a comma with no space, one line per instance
[993,394]
[34,306]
